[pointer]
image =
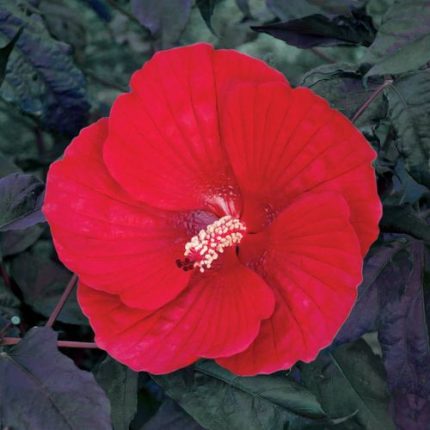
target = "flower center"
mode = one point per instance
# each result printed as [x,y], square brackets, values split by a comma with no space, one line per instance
[204,248]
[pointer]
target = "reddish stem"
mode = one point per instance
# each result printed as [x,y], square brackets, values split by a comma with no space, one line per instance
[323,55]
[372,97]
[60,343]
[5,276]
[62,301]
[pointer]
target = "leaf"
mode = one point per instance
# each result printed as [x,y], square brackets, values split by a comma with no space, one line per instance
[41,77]
[391,301]
[387,267]
[5,52]
[100,8]
[342,85]
[286,10]
[16,241]
[291,9]
[218,400]
[170,416]
[320,30]
[404,339]
[403,219]
[64,23]
[120,384]
[165,19]
[6,166]
[9,303]
[403,39]
[206,8]
[43,389]
[243,5]
[404,189]
[42,281]
[21,198]
[351,379]
[409,112]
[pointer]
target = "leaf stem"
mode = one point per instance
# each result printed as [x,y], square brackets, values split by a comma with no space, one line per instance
[68,290]
[129,15]
[105,82]
[5,276]
[372,97]
[60,343]
[323,55]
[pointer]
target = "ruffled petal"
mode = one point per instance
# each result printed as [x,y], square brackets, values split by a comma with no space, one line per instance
[113,242]
[311,257]
[218,315]
[283,142]
[164,145]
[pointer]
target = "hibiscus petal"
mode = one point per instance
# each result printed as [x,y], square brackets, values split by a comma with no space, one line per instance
[111,241]
[219,314]
[164,145]
[312,260]
[284,142]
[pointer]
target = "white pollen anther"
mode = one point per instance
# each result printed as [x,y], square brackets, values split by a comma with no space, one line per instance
[205,247]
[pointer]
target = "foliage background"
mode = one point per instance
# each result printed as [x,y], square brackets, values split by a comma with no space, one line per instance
[63,62]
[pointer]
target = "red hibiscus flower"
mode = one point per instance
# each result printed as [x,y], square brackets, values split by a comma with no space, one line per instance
[216,213]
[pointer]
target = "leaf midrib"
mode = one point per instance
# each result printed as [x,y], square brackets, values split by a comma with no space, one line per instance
[236,384]
[42,386]
[357,394]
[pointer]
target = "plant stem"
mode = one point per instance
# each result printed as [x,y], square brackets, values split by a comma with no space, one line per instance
[40,142]
[62,301]
[323,55]
[105,82]
[60,343]
[372,97]
[126,13]
[5,276]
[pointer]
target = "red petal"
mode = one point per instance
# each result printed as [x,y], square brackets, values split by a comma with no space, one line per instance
[284,142]
[312,260]
[112,242]
[164,145]
[219,314]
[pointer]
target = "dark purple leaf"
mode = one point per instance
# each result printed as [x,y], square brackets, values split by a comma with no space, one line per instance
[41,77]
[165,19]
[42,389]
[391,301]
[16,241]
[379,273]
[21,198]
[319,30]
[404,339]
